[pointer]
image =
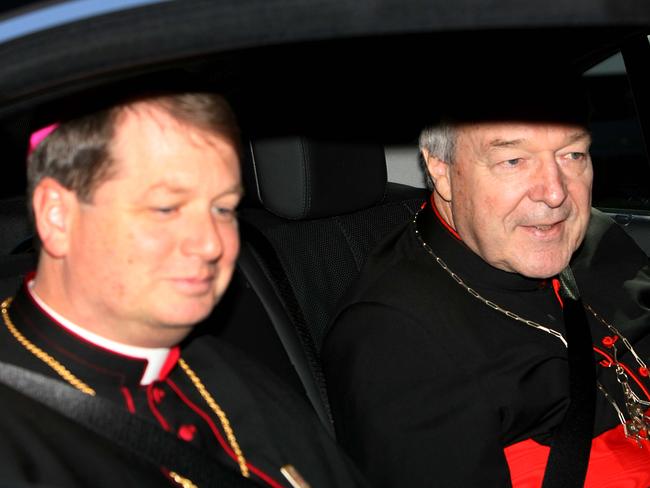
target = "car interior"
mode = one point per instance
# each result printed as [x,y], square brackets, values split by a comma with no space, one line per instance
[330,163]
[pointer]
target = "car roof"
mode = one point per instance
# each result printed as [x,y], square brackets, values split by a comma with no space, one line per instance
[354,68]
[150,37]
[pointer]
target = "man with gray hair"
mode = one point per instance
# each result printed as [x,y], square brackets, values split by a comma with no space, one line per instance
[464,356]
[135,209]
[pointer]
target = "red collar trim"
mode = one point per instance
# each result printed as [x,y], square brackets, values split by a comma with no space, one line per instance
[170,362]
[446,225]
[82,339]
[556,289]
[154,364]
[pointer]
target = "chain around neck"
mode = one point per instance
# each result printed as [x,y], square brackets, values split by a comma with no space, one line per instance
[638,425]
[478,296]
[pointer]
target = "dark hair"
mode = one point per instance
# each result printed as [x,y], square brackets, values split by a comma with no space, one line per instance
[77,153]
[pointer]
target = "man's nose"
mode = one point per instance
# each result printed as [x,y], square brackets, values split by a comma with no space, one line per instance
[202,237]
[549,183]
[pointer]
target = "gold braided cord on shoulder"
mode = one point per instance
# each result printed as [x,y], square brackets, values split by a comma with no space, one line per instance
[58,368]
[214,406]
[70,378]
[182,481]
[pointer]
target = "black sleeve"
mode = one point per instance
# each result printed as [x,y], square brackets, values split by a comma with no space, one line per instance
[403,406]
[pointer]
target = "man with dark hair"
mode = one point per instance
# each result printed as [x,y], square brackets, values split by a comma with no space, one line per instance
[134,207]
[448,363]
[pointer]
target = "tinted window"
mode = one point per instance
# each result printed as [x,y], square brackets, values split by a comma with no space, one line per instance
[621,167]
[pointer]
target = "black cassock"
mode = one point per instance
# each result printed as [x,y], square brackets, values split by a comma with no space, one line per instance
[431,386]
[272,426]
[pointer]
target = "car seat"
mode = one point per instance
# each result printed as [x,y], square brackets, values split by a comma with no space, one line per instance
[314,211]
[17,256]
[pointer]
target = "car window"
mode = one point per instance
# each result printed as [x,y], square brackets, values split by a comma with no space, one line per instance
[621,166]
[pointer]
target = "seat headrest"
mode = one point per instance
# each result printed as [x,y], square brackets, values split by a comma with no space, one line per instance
[301,178]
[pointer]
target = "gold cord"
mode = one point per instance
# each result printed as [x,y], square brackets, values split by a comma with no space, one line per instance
[70,378]
[61,370]
[214,406]
[180,480]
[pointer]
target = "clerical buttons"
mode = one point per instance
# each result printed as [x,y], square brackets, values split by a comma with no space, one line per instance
[187,432]
[158,394]
[609,341]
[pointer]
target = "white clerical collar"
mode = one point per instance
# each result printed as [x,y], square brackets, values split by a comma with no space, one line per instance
[155,357]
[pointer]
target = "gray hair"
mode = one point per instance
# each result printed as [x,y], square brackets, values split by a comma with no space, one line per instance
[440,141]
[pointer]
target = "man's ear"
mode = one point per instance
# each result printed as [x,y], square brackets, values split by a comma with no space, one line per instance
[439,171]
[53,207]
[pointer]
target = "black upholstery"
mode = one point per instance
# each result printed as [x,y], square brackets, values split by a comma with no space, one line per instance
[17,257]
[322,257]
[299,178]
[243,320]
[15,226]
[315,224]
